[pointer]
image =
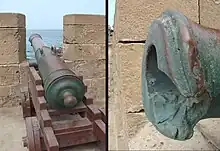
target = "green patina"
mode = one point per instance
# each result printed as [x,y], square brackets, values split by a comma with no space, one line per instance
[57,78]
[180,71]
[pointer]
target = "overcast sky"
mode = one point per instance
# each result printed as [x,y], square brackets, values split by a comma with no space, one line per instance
[47,14]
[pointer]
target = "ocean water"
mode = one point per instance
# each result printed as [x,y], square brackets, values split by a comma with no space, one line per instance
[50,37]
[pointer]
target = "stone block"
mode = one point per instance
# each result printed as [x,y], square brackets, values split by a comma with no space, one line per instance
[84,34]
[209,13]
[24,73]
[96,90]
[12,45]
[12,20]
[10,96]
[83,51]
[133,18]
[210,130]
[88,68]
[81,19]
[9,75]
[129,62]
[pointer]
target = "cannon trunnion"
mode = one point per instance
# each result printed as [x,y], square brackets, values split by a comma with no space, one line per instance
[180,74]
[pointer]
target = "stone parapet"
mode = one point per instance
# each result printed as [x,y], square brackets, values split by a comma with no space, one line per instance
[133,18]
[12,45]
[84,34]
[12,20]
[83,19]
[13,65]
[84,51]
[209,13]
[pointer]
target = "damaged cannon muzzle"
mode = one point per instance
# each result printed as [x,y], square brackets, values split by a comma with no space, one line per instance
[180,74]
[62,87]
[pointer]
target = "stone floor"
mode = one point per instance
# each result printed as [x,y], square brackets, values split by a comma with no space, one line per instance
[13,129]
[145,136]
[148,138]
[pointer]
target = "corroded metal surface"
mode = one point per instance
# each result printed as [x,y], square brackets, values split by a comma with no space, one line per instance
[62,87]
[180,74]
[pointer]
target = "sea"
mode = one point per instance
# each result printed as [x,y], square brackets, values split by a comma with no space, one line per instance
[50,37]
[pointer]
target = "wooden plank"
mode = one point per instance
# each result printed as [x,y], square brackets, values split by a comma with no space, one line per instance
[80,108]
[70,125]
[93,113]
[41,103]
[50,140]
[76,138]
[35,76]
[99,130]
[45,119]
[88,101]
[36,131]
[40,90]
[102,110]
[30,133]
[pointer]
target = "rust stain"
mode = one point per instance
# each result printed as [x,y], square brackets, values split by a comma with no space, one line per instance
[195,64]
[193,56]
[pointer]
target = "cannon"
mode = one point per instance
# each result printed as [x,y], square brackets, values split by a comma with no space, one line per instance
[180,74]
[57,114]
[62,87]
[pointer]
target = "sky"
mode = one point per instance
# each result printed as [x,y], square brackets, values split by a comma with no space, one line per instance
[47,14]
[111,12]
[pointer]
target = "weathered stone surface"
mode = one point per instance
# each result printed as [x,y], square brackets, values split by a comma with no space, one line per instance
[12,45]
[10,96]
[9,75]
[82,34]
[96,90]
[14,20]
[12,129]
[129,59]
[79,19]
[24,72]
[210,129]
[136,121]
[84,51]
[88,68]
[148,138]
[133,18]
[209,13]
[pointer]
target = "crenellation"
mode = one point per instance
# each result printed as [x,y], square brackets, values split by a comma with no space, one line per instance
[84,50]
[12,56]
[12,20]
[83,19]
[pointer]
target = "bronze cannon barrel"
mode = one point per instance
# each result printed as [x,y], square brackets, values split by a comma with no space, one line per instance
[180,74]
[62,87]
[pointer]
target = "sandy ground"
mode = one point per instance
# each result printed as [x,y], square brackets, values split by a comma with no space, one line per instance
[148,138]
[12,129]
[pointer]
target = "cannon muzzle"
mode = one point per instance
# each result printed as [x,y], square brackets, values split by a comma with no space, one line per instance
[62,87]
[180,74]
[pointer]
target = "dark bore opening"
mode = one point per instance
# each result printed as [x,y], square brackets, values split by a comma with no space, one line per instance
[166,106]
[158,81]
